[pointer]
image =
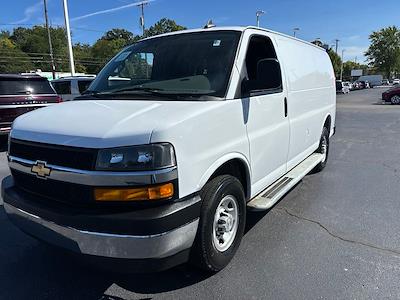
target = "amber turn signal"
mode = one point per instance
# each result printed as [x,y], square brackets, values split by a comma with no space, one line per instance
[135,194]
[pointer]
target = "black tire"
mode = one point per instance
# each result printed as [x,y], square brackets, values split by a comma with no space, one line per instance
[324,139]
[204,253]
[395,100]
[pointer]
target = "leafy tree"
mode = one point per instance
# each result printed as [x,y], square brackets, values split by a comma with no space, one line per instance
[336,62]
[34,42]
[163,26]
[384,51]
[108,46]
[83,57]
[318,43]
[31,49]
[351,65]
[12,59]
[5,34]
[118,33]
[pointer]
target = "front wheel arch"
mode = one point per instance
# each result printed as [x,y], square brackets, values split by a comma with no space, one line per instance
[233,164]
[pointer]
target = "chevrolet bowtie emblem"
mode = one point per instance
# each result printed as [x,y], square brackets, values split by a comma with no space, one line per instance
[40,169]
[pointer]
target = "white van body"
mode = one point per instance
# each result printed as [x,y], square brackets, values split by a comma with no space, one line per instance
[268,135]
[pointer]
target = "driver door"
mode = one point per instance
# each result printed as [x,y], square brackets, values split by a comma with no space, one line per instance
[268,122]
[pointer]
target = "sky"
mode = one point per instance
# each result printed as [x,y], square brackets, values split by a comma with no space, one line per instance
[347,20]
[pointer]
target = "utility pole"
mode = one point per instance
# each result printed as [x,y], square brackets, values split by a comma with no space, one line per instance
[142,23]
[70,52]
[295,30]
[53,66]
[337,44]
[341,69]
[258,14]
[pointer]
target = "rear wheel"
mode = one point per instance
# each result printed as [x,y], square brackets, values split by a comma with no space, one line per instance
[221,226]
[323,149]
[395,99]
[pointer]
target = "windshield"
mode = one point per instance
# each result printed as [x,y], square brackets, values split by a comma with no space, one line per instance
[190,65]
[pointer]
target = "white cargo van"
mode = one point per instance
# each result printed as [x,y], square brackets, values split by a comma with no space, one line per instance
[178,135]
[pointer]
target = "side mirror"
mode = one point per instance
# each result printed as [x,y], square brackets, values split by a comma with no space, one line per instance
[269,77]
[269,73]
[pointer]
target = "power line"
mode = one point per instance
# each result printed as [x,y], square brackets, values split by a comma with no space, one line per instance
[57,55]
[57,25]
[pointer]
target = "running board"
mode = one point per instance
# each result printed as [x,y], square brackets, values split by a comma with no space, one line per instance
[267,198]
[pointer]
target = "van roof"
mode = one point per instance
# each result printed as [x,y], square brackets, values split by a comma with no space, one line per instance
[235,28]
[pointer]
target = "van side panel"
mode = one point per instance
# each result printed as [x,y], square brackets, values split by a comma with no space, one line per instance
[311,95]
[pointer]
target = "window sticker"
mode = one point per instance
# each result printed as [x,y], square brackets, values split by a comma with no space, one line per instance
[217,43]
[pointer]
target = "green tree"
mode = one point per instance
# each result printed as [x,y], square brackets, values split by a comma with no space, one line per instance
[118,33]
[34,42]
[12,59]
[384,52]
[5,34]
[336,62]
[351,65]
[163,26]
[108,46]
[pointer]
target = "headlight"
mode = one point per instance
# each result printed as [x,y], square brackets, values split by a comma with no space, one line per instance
[136,158]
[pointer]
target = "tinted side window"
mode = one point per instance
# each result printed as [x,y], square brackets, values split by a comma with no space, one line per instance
[83,85]
[62,87]
[261,48]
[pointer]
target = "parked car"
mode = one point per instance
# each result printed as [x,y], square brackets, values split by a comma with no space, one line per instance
[20,94]
[361,85]
[159,168]
[349,85]
[71,87]
[342,88]
[396,81]
[385,82]
[355,85]
[392,95]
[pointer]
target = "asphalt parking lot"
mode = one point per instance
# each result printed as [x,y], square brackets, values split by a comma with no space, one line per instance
[334,236]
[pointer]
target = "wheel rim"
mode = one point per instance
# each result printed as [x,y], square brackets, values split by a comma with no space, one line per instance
[225,223]
[324,148]
[396,99]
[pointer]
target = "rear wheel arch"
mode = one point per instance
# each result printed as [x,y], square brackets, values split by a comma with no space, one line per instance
[327,123]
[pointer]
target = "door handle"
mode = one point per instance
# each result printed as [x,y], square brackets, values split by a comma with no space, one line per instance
[285,105]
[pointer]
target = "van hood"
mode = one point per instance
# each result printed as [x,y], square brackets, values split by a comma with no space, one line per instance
[104,123]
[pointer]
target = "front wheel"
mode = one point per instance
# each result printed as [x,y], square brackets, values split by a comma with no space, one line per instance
[395,99]
[222,222]
[323,149]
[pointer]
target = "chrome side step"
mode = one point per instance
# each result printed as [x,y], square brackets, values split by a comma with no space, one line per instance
[267,198]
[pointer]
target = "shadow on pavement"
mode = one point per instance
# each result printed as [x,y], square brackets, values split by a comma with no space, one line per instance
[32,270]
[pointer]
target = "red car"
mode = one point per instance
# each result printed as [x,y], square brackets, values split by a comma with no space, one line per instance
[392,95]
[20,94]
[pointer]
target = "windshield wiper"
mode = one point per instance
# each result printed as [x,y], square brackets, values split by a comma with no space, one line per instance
[149,90]
[125,92]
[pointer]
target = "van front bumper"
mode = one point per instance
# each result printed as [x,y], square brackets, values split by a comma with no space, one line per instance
[164,236]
